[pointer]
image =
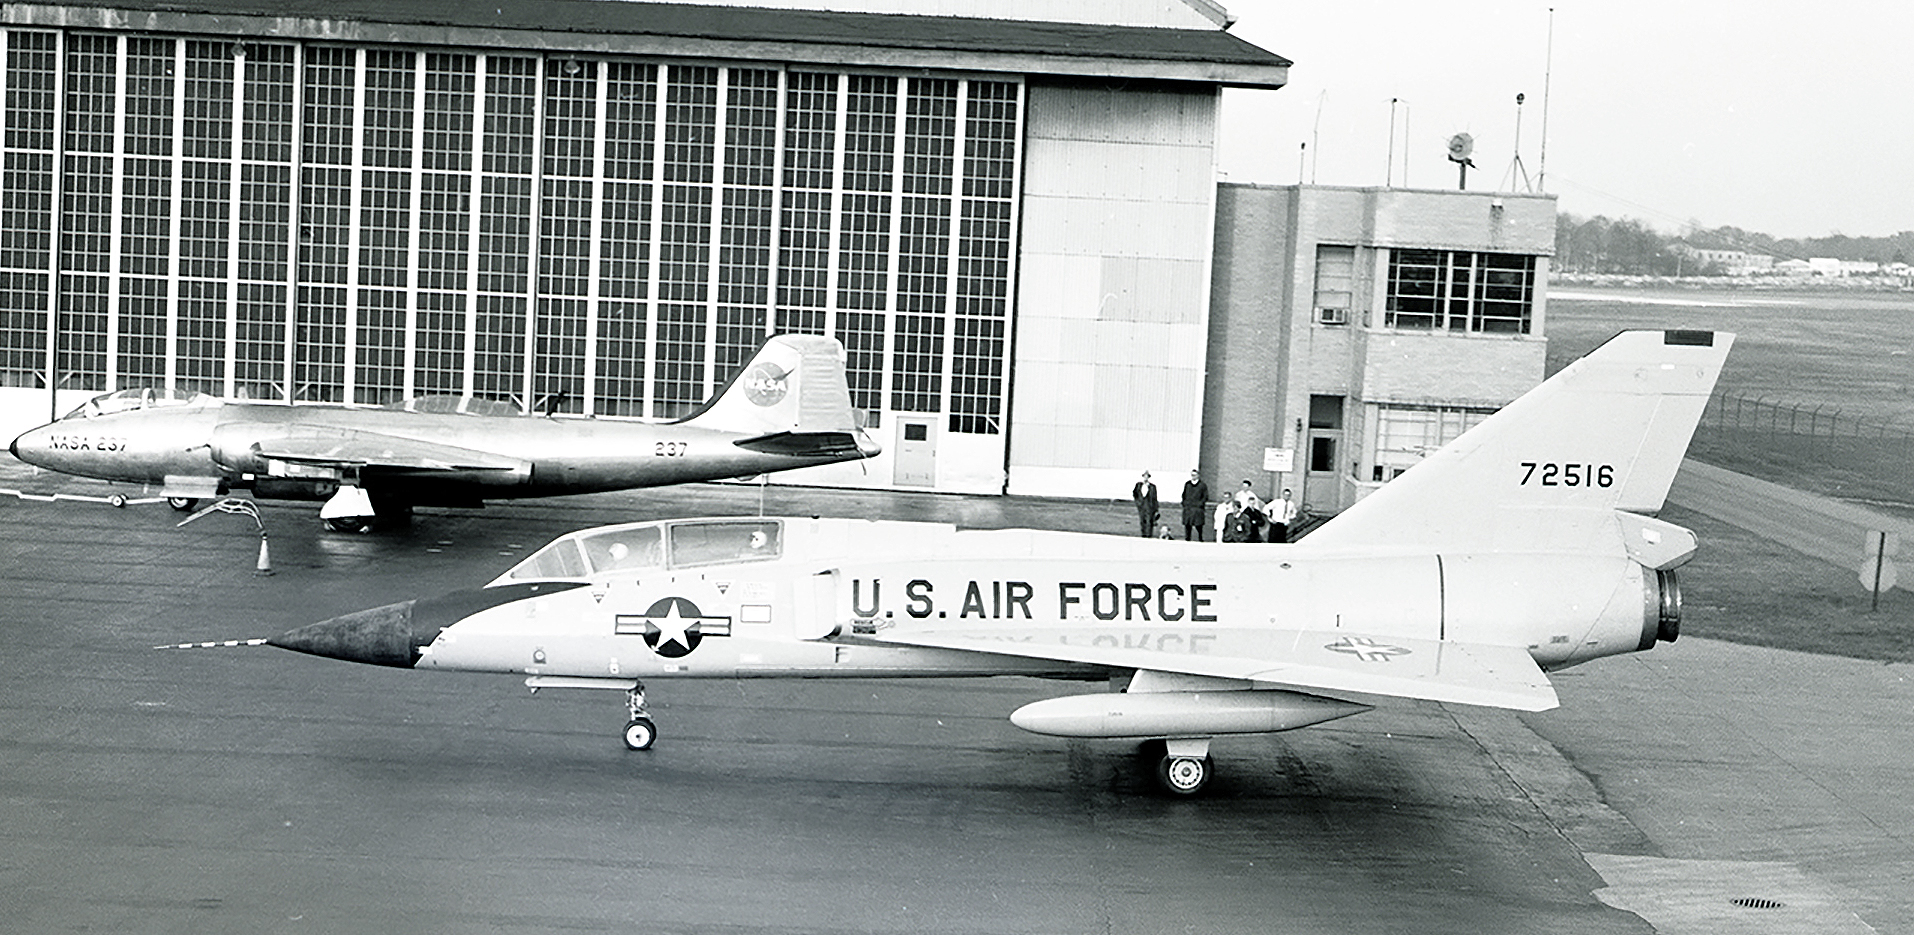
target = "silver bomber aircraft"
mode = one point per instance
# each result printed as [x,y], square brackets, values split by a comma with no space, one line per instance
[788,407]
[1525,546]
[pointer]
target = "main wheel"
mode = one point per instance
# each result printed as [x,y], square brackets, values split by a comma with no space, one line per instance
[118,500]
[182,504]
[1184,775]
[639,733]
[349,523]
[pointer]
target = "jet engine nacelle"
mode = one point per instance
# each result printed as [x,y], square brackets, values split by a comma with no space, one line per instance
[1572,608]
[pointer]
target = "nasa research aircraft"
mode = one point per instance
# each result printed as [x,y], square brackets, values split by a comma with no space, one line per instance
[788,407]
[1525,546]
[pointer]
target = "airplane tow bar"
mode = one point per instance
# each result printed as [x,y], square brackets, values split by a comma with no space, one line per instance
[263,568]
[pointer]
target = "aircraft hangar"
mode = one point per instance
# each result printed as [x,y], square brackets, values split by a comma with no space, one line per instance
[1007,212]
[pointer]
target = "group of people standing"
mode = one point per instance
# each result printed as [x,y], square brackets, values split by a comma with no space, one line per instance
[1241,518]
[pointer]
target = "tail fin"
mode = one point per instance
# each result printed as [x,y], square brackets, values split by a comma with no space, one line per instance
[1606,433]
[792,386]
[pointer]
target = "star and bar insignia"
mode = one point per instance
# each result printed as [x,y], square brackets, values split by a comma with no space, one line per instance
[672,626]
[1366,649]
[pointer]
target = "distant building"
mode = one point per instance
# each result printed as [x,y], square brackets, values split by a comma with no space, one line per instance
[1731,262]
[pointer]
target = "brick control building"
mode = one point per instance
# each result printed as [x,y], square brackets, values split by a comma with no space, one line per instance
[1359,329]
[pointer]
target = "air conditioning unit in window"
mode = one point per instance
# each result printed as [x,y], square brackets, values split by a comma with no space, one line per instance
[1333,316]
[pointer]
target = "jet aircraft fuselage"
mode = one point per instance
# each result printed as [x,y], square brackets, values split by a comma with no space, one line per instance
[787,409]
[1525,546]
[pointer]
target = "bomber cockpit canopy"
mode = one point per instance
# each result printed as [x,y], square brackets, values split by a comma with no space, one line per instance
[144,397]
[460,405]
[689,543]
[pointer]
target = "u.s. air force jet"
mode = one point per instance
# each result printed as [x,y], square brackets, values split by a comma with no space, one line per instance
[788,407]
[1525,546]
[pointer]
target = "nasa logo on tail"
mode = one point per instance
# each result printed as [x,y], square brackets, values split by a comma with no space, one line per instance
[766,383]
[672,627]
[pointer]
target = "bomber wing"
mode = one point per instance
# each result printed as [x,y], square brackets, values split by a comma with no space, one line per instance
[1331,660]
[355,448]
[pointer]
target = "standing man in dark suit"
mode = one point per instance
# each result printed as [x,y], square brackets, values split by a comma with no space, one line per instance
[1144,493]
[1196,496]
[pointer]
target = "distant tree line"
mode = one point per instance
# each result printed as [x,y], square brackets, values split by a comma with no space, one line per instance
[1603,245]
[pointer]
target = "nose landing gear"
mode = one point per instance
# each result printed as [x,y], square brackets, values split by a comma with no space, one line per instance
[639,731]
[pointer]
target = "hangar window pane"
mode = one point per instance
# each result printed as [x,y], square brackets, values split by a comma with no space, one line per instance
[862,334]
[325,223]
[385,226]
[804,244]
[566,206]
[690,129]
[505,202]
[983,259]
[444,223]
[625,209]
[869,149]
[26,205]
[744,254]
[86,247]
[1445,290]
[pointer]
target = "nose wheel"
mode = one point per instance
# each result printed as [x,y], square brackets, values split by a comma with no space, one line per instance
[640,733]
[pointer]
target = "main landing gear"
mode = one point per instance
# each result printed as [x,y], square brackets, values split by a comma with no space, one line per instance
[1183,765]
[639,731]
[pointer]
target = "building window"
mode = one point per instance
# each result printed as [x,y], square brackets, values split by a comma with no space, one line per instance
[1453,290]
[1406,434]
[1335,284]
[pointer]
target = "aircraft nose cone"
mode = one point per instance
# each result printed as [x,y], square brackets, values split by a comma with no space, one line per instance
[380,636]
[393,634]
[34,442]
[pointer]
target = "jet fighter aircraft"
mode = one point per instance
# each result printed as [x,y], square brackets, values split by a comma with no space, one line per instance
[1525,546]
[788,407]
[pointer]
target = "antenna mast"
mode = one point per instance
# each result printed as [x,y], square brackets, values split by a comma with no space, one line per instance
[1389,170]
[1548,71]
[1315,134]
[1517,174]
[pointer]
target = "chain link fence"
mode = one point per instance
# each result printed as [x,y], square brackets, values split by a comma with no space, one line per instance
[1810,446]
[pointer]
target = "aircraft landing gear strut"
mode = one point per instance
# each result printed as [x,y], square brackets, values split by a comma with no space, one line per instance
[639,731]
[1183,765]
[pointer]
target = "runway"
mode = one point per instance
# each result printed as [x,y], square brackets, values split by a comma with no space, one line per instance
[254,790]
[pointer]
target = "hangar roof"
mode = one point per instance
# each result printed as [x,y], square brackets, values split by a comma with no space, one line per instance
[721,32]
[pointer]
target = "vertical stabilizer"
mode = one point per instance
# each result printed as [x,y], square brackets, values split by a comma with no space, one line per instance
[1606,433]
[794,384]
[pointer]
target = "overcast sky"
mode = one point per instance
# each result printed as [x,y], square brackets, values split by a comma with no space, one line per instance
[1791,119]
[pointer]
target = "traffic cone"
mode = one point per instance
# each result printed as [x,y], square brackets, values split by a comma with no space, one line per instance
[264,567]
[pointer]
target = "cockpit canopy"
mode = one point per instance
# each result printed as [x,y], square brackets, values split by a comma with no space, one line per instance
[460,405]
[144,397]
[651,546]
